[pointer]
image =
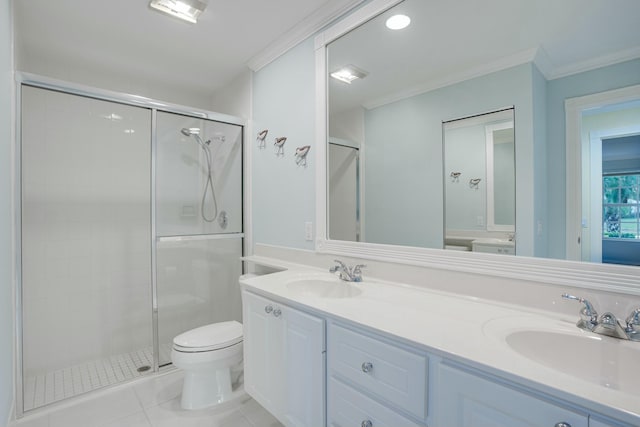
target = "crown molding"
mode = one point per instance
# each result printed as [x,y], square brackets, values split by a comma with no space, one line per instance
[594,63]
[519,58]
[538,56]
[310,25]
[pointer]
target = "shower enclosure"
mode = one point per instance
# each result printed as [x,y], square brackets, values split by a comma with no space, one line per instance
[130,233]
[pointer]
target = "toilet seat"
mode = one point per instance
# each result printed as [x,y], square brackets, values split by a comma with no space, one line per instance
[208,338]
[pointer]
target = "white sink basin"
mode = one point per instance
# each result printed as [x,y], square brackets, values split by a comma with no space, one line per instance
[324,288]
[560,346]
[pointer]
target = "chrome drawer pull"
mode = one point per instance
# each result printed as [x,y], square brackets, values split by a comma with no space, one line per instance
[268,309]
[562,424]
[368,366]
[277,312]
[368,423]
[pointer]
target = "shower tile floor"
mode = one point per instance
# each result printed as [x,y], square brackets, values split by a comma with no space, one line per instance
[151,401]
[54,386]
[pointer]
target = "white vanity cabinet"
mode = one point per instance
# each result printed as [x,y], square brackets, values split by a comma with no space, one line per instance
[493,248]
[373,382]
[284,360]
[464,399]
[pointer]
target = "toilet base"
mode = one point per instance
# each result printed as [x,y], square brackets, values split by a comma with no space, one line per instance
[207,389]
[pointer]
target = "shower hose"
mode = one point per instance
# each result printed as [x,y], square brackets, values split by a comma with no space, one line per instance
[208,188]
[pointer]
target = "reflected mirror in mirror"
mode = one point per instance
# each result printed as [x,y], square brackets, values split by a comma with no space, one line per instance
[405,83]
[479,183]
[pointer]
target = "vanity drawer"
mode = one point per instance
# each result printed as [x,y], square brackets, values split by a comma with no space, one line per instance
[346,407]
[395,375]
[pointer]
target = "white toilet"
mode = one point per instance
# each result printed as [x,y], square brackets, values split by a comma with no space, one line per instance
[211,357]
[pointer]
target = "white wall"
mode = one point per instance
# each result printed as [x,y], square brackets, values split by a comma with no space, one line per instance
[348,125]
[84,72]
[6,256]
[235,98]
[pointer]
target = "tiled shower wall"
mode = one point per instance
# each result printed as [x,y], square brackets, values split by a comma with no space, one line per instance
[86,243]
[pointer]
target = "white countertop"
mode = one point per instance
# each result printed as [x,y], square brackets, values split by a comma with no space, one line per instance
[475,332]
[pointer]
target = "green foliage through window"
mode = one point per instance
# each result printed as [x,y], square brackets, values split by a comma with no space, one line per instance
[621,206]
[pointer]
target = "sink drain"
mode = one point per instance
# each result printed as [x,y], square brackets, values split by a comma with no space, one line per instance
[144,368]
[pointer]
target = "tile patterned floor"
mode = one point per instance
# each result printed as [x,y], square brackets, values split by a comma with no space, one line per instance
[69,382]
[152,401]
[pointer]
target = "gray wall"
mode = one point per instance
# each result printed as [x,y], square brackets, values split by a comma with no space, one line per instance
[6,294]
[417,175]
[284,193]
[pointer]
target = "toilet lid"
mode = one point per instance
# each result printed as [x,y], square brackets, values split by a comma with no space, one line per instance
[209,337]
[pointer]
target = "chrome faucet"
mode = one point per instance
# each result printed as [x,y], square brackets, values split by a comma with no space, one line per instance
[607,324]
[348,274]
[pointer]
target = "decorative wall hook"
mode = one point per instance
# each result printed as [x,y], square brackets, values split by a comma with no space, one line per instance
[279,143]
[262,135]
[301,155]
[473,183]
[455,176]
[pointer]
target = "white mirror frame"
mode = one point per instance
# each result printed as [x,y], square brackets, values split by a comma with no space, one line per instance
[604,277]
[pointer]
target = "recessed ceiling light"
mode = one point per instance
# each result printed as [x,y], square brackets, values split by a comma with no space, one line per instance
[189,10]
[398,22]
[348,73]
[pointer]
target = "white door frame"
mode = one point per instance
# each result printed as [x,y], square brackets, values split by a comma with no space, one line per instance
[574,107]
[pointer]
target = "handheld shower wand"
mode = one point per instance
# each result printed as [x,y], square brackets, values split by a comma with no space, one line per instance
[195,132]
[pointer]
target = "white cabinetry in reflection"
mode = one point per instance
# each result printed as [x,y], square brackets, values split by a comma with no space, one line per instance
[284,361]
[464,399]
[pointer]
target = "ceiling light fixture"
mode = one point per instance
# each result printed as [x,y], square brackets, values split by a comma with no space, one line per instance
[398,22]
[189,10]
[348,73]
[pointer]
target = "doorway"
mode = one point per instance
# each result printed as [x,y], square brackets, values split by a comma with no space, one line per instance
[602,160]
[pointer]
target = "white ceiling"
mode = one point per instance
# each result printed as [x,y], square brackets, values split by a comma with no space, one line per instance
[450,41]
[129,40]
[125,38]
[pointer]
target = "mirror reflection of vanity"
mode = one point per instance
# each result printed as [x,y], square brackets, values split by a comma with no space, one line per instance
[447,65]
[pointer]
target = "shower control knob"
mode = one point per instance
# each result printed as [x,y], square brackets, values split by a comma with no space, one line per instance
[562,424]
[277,312]
[367,367]
[366,423]
[268,309]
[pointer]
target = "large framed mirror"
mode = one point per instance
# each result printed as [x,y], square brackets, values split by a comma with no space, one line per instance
[389,91]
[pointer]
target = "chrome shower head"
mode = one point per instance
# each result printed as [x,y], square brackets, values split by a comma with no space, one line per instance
[190,131]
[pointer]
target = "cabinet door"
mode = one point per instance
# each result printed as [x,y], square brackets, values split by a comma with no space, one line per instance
[262,369]
[284,361]
[304,364]
[465,400]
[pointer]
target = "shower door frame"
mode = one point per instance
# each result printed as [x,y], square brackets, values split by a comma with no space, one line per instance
[37,81]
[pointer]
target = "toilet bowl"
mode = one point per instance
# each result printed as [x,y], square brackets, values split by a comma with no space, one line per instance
[211,357]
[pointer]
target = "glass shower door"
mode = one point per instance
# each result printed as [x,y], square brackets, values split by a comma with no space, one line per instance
[86,244]
[198,224]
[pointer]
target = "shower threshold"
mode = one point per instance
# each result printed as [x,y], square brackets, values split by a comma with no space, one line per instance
[51,387]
